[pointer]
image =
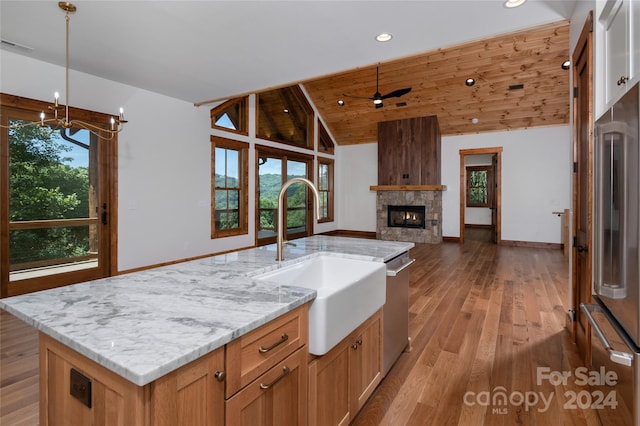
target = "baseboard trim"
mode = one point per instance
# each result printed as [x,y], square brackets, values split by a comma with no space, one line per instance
[451,239]
[532,244]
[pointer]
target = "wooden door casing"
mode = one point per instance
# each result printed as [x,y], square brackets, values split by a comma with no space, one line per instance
[497,193]
[583,185]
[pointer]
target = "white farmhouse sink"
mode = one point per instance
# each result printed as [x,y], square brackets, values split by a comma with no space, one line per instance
[348,292]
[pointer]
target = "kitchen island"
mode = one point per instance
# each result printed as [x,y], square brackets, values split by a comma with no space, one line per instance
[152,330]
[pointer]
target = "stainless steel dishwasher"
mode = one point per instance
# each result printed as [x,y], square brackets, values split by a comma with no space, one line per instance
[396,310]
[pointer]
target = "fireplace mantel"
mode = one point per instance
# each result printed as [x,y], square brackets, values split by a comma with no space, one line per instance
[408,188]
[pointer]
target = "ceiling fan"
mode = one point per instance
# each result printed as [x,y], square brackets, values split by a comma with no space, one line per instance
[377,98]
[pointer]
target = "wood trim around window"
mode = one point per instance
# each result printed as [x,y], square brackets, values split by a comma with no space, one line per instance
[285,155]
[243,199]
[329,162]
[487,187]
[244,115]
[27,108]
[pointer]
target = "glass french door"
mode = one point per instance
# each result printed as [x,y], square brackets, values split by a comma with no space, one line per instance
[274,169]
[56,219]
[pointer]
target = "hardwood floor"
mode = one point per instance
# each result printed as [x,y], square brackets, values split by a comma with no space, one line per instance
[481,317]
[18,372]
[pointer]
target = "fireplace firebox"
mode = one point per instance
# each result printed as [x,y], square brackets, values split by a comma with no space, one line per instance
[406,216]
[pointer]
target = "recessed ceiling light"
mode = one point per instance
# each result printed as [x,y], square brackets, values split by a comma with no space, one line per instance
[341,102]
[514,3]
[474,120]
[286,111]
[566,65]
[384,37]
[470,82]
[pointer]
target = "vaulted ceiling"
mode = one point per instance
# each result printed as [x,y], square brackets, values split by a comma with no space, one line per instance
[199,51]
[529,62]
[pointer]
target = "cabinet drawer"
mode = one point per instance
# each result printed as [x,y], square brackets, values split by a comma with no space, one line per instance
[251,355]
[277,398]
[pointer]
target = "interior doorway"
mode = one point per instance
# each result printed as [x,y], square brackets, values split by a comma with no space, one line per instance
[480,194]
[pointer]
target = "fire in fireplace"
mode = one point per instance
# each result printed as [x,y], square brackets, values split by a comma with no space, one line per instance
[405,216]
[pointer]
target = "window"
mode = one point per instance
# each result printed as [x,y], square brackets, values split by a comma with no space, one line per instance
[478,190]
[325,188]
[229,198]
[284,115]
[275,167]
[325,143]
[231,116]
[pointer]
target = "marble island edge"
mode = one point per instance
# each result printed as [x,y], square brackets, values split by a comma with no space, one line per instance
[146,324]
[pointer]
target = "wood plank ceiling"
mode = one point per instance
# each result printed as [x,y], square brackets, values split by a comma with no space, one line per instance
[532,58]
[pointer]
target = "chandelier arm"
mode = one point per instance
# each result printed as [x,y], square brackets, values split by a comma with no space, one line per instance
[95,130]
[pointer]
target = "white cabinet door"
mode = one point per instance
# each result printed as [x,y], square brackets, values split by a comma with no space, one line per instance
[615,20]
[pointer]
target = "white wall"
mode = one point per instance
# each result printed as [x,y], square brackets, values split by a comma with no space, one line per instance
[535,181]
[356,171]
[164,162]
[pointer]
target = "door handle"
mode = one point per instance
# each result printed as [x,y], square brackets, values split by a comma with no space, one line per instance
[618,357]
[104,218]
[581,249]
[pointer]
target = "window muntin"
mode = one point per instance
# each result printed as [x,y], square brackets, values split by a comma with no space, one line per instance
[231,116]
[284,115]
[229,198]
[274,168]
[325,188]
[477,186]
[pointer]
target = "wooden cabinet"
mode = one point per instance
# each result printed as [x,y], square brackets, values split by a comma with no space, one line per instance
[262,375]
[341,381]
[267,373]
[366,361]
[409,152]
[277,398]
[256,352]
[619,23]
[190,395]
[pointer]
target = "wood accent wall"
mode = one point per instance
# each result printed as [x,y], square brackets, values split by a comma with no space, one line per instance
[409,152]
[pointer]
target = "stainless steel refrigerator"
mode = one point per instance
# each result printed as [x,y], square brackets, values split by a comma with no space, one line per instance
[615,315]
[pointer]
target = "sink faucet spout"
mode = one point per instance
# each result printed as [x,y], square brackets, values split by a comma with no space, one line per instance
[280,225]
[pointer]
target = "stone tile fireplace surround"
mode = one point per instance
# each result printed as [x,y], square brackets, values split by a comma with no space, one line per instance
[431,199]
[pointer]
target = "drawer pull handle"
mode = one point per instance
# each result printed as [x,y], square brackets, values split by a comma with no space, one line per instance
[283,339]
[285,371]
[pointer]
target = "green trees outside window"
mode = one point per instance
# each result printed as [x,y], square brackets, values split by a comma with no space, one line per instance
[48,180]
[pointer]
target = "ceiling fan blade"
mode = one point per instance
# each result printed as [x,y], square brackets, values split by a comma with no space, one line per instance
[397,93]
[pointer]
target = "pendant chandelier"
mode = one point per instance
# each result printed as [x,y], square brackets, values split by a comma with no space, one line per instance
[57,109]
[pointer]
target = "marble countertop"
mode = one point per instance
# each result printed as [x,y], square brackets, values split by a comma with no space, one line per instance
[146,324]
